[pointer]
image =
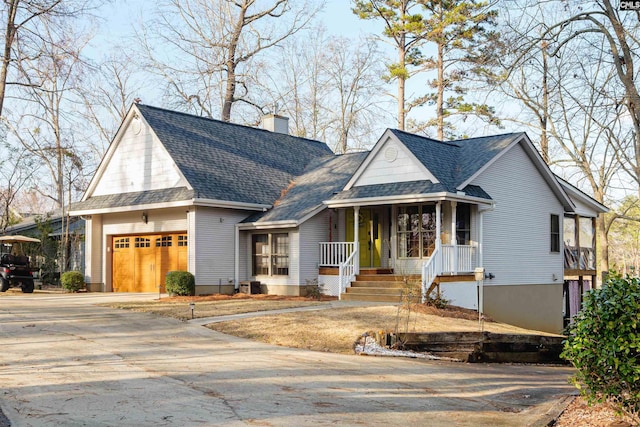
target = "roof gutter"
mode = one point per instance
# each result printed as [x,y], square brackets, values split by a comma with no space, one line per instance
[409,198]
[267,225]
[180,203]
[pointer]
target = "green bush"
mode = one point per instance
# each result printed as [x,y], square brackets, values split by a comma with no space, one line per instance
[604,345]
[180,283]
[72,281]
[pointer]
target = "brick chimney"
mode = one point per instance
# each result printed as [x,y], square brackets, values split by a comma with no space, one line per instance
[275,123]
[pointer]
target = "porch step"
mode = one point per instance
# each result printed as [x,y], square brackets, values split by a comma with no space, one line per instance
[370,297]
[375,270]
[385,277]
[361,290]
[375,284]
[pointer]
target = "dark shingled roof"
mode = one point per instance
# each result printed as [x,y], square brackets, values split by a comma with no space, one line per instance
[453,162]
[224,161]
[322,179]
[133,199]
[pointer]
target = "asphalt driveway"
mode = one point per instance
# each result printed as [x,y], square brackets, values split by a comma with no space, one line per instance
[66,362]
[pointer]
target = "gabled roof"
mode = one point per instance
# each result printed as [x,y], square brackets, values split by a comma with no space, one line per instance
[305,196]
[258,163]
[583,198]
[453,162]
[220,161]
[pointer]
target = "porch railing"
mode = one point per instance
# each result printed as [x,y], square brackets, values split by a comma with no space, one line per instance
[431,269]
[459,258]
[332,254]
[347,271]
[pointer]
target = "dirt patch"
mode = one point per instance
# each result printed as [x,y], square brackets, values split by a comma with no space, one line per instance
[579,413]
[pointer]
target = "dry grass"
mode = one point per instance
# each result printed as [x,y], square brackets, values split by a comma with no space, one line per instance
[216,305]
[337,329]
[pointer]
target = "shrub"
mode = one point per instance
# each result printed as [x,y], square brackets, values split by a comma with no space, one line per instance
[604,345]
[314,289]
[180,283]
[72,281]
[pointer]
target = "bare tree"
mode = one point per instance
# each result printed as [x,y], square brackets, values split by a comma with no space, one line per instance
[568,95]
[16,171]
[216,47]
[108,92]
[619,32]
[22,20]
[330,88]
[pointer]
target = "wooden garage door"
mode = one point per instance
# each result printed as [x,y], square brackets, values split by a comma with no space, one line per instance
[140,263]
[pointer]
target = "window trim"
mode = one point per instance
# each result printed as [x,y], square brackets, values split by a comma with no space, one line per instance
[271,254]
[554,235]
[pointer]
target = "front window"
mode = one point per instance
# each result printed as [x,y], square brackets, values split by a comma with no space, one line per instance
[270,254]
[416,231]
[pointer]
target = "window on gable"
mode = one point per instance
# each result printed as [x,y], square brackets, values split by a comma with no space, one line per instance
[555,233]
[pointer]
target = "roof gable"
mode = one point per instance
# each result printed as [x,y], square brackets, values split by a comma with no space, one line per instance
[390,161]
[224,161]
[136,161]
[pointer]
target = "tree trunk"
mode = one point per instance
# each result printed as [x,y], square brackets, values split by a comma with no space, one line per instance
[401,84]
[440,93]
[9,37]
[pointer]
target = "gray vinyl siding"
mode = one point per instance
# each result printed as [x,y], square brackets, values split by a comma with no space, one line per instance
[517,231]
[214,244]
[312,232]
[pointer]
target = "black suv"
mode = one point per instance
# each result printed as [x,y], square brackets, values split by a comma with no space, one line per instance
[15,271]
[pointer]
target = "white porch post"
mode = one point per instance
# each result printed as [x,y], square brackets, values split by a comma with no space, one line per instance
[438,225]
[454,239]
[356,238]
[480,237]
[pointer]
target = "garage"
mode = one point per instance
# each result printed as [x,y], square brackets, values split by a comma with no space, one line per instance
[141,262]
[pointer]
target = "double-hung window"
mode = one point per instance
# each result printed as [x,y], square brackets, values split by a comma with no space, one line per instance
[555,233]
[270,253]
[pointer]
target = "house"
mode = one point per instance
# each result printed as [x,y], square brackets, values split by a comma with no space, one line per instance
[53,225]
[233,204]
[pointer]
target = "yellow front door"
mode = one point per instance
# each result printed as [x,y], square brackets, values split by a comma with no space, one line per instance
[369,236]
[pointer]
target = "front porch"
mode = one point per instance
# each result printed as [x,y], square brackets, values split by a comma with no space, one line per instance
[349,281]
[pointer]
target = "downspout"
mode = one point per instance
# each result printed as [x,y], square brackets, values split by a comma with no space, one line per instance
[236,257]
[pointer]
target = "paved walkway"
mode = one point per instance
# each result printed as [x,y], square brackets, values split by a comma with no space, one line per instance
[67,362]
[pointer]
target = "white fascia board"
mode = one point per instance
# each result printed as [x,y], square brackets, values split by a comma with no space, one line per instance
[132,208]
[576,193]
[178,203]
[267,225]
[408,198]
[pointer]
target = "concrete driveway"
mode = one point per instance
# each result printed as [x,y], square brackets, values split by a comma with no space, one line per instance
[67,362]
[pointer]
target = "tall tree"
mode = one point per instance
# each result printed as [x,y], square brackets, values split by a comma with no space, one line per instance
[620,32]
[405,30]
[330,88]
[22,21]
[461,31]
[216,47]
